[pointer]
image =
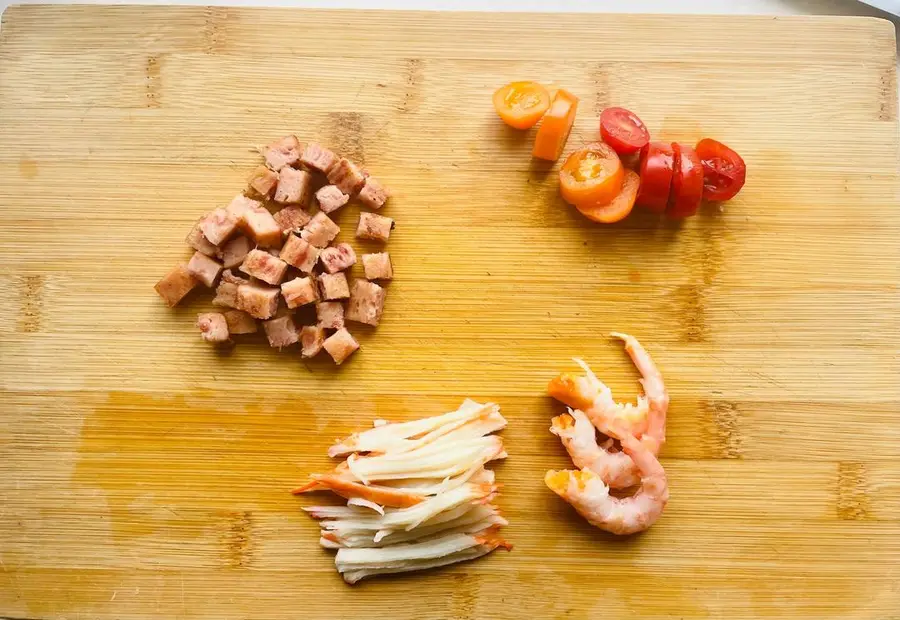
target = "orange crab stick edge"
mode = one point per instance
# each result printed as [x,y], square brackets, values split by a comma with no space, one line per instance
[554,130]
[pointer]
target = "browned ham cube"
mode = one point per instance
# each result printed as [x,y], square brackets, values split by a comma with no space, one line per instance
[196,240]
[281,332]
[257,300]
[240,322]
[338,258]
[264,266]
[320,231]
[347,176]
[334,286]
[374,226]
[218,226]
[378,266]
[175,285]
[318,158]
[239,206]
[331,198]
[340,345]
[312,337]
[262,227]
[213,327]
[204,268]
[300,254]
[235,251]
[366,302]
[373,194]
[299,292]
[330,314]
[283,152]
[292,219]
[226,293]
[263,181]
[294,186]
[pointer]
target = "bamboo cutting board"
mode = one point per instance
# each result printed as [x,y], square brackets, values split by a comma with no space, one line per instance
[143,475]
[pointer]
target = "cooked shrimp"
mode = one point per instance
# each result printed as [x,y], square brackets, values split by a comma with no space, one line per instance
[579,437]
[587,493]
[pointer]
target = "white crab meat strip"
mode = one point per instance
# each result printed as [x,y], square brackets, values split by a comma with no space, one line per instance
[350,559]
[485,424]
[365,503]
[435,460]
[352,576]
[385,436]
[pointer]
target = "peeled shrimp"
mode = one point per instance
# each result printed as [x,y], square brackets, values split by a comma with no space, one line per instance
[588,494]
[646,420]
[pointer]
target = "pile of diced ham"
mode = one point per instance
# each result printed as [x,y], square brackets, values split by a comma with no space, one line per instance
[266,254]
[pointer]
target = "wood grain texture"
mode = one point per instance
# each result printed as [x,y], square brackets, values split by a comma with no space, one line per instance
[143,475]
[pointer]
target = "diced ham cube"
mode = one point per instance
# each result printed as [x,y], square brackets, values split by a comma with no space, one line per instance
[347,176]
[373,194]
[378,266]
[292,219]
[239,206]
[204,268]
[340,345]
[196,240]
[264,266]
[240,322]
[226,293]
[263,181]
[334,286]
[320,231]
[262,227]
[281,332]
[374,226]
[213,327]
[175,285]
[293,186]
[218,226]
[366,302]
[331,198]
[330,314]
[338,257]
[299,292]
[257,300]
[283,152]
[317,157]
[233,252]
[312,337]
[300,254]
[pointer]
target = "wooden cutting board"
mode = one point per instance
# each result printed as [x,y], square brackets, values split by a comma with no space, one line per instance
[145,475]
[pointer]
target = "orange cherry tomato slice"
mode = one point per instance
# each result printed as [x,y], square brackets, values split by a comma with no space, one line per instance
[555,128]
[620,206]
[521,104]
[590,176]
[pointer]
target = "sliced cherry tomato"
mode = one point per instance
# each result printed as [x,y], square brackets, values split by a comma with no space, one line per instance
[619,207]
[724,172]
[521,104]
[554,130]
[592,175]
[657,162]
[623,130]
[687,182]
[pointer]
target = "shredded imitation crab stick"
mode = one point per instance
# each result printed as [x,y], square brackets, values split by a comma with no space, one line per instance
[418,494]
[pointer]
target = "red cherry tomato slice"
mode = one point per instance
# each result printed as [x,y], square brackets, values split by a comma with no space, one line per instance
[687,182]
[657,163]
[724,172]
[623,130]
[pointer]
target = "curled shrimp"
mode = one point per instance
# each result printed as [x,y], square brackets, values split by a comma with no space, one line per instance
[587,493]
[579,437]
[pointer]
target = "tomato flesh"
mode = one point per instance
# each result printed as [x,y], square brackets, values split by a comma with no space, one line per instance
[555,128]
[724,171]
[619,207]
[687,182]
[592,175]
[623,130]
[657,165]
[521,104]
